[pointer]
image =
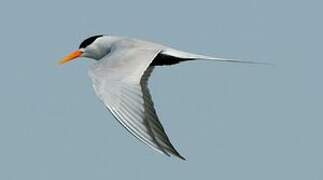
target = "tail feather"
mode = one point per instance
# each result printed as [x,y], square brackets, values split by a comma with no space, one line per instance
[191,56]
[235,61]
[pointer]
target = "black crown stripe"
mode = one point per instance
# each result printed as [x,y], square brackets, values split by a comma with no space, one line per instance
[89,41]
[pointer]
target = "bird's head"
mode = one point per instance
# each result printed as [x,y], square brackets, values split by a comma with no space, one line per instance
[92,47]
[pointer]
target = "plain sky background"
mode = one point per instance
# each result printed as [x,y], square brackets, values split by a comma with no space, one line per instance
[231,121]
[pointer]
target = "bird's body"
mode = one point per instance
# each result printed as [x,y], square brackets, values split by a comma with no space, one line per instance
[120,79]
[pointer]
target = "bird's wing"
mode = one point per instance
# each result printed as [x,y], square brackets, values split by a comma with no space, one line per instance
[120,80]
[191,56]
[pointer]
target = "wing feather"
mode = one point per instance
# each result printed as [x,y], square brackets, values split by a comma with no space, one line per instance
[121,82]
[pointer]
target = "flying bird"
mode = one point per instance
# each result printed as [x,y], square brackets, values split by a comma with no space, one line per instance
[120,80]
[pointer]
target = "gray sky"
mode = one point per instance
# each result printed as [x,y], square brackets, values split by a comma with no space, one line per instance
[231,121]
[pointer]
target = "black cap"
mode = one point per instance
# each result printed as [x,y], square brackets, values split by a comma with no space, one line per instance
[89,41]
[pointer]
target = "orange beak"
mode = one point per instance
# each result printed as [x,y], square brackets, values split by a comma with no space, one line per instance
[70,57]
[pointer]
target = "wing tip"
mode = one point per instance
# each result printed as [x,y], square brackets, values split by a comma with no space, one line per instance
[170,153]
[176,154]
[181,157]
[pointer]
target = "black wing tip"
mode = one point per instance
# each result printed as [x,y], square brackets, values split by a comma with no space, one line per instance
[181,157]
[173,153]
[176,154]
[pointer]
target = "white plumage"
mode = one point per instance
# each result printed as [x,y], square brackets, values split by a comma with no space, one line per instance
[120,79]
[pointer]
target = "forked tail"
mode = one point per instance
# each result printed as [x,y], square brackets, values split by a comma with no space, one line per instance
[185,56]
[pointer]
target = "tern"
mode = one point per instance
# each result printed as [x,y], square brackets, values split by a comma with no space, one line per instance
[120,80]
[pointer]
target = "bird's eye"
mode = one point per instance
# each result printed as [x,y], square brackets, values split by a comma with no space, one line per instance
[89,41]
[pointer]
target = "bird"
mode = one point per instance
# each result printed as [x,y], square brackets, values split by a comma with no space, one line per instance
[120,73]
